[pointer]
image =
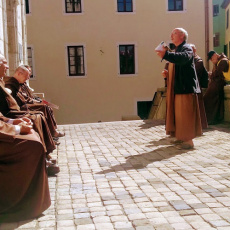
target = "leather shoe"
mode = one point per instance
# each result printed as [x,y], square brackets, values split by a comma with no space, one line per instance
[176,142]
[49,158]
[59,134]
[57,142]
[52,169]
[184,146]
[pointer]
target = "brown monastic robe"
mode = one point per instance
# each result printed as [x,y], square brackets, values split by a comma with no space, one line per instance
[170,113]
[24,190]
[182,112]
[27,103]
[9,108]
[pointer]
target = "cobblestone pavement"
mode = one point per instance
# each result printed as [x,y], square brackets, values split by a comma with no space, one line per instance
[126,175]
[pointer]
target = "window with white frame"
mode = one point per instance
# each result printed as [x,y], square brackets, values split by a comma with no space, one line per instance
[76,60]
[215,10]
[73,6]
[216,40]
[125,5]
[27,6]
[175,5]
[227,19]
[30,55]
[127,59]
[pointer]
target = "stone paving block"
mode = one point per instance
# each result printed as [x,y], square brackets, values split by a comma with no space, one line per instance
[86,227]
[123,225]
[145,227]
[180,205]
[83,221]
[47,224]
[219,223]
[133,178]
[107,226]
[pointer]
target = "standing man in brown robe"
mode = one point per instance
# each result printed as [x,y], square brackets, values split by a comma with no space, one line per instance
[24,190]
[186,87]
[202,76]
[214,96]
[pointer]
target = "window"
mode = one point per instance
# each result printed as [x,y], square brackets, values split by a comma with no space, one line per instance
[27,5]
[227,19]
[226,49]
[31,61]
[215,10]
[127,59]
[20,54]
[175,5]
[76,65]
[229,50]
[216,39]
[124,5]
[73,6]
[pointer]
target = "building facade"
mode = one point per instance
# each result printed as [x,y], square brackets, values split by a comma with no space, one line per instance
[96,59]
[218,26]
[226,7]
[13,38]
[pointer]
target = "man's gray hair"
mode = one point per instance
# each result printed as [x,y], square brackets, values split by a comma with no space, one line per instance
[183,31]
[21,67]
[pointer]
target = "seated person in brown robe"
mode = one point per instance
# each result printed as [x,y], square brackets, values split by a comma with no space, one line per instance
[214,96]
[10,109]
[24,190]
[17,84]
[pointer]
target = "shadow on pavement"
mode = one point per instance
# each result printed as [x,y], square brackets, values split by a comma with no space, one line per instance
[142,160]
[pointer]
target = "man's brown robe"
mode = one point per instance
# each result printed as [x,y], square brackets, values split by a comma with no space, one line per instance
[182,112]
[24,190]
[170,113]
[9,108]
[202,75]
[21,94]
[214,96]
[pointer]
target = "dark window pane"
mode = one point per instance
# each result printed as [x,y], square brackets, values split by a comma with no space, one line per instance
[73,6]
[27,6]
[76,60]
[179,5]
[170,5]
[215,10]
[129,7]
[125,5]
[175,5]
[127,59]
[30,60]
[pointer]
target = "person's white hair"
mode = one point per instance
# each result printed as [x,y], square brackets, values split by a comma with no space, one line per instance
[21,67]
[183,31]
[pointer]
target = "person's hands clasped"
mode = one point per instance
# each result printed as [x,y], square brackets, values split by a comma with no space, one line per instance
[25,129]
[24,120]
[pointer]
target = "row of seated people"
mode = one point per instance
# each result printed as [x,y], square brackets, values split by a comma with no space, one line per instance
[28,134]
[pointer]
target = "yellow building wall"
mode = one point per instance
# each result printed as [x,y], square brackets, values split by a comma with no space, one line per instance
[104,95]
[227,32]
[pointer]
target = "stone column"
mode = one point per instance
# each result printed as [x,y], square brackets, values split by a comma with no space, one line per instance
[13,50]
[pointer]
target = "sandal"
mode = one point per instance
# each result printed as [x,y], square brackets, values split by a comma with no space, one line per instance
[185,146]
[176,142]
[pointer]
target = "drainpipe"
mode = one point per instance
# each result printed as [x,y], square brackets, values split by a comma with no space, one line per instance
[206,32]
